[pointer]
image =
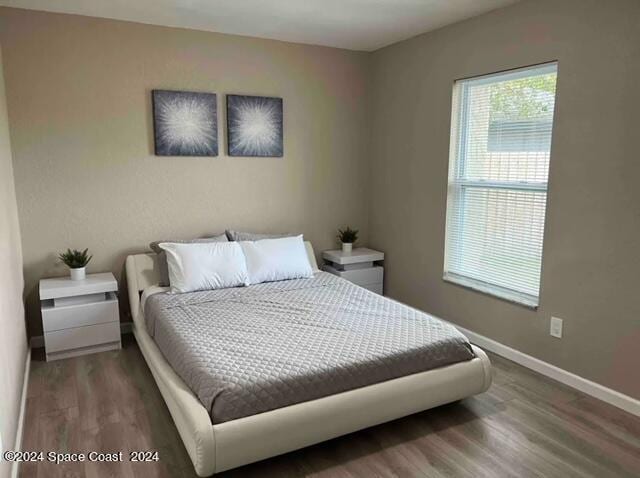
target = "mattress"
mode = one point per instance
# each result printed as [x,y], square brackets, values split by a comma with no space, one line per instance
[248,350]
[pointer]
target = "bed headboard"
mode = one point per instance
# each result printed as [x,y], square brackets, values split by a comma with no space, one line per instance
[143,270]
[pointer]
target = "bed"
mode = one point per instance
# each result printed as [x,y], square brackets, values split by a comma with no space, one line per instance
[227,417]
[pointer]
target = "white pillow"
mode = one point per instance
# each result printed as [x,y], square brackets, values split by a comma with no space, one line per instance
[271,260]
[205,266]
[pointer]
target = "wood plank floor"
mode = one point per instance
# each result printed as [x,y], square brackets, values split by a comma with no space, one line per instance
[525,425]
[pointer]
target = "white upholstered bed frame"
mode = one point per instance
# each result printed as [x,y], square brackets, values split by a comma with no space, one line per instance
[219,447]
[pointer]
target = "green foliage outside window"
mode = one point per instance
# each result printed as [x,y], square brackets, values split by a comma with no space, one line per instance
[522,99]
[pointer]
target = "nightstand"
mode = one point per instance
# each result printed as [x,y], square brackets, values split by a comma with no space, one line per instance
[361,266]
[80,317]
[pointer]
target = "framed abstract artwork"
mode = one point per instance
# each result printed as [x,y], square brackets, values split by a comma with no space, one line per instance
[254,126]
[185,123]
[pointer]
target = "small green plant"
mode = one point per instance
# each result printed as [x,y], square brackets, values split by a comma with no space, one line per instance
[347,235]
[75,259]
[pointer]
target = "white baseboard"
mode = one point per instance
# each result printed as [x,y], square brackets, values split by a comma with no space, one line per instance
[23,407]
[37,342]
[593,389]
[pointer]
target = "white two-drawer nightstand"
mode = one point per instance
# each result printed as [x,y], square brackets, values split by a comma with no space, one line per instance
[80,317]
[361,266]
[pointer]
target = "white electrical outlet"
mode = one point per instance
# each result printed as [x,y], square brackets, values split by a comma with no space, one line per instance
[555,328]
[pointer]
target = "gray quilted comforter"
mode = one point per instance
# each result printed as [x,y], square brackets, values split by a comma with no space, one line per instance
[252,349]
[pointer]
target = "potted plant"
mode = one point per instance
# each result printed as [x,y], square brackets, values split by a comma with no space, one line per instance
[347,237]
[77,262]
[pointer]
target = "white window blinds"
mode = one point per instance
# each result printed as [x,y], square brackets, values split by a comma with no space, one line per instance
[499,163]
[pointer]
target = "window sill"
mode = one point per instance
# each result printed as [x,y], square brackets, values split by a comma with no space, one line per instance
[518,298]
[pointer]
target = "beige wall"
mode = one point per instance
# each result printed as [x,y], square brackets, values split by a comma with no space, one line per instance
[13,338]
[591,262]
[79,92]
[79,104]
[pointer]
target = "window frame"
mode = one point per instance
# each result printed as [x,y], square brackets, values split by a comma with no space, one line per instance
[456,179]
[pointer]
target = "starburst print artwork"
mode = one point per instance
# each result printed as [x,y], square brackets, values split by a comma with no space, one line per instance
[254,126]
[185,123]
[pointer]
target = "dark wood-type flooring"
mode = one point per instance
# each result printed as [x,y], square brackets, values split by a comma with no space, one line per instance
[525,425]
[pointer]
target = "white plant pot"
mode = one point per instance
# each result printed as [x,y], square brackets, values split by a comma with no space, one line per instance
[347,247]
[78,274]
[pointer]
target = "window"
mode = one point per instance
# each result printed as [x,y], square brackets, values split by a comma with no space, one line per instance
[498,168]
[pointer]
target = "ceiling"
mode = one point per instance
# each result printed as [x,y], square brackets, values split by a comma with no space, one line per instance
[353,24]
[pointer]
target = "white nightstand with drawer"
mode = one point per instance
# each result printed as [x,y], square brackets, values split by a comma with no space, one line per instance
[80,317]
[361,266]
